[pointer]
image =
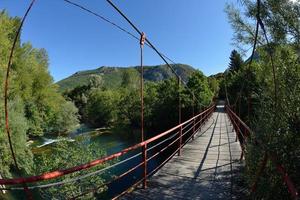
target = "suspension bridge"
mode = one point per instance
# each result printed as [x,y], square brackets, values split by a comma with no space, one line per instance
[207,167]
[201,154]
[200,158]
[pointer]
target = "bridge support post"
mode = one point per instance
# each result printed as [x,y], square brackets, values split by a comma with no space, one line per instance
[180,141]
[207,115]
[237,130]
[200,124]
[234,128]
[229,114]
[233,125]
[193,116]
[193,137]
[246,132]
[142,41]
[145,166]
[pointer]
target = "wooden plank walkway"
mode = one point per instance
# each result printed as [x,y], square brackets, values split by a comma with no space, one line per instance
[206,169]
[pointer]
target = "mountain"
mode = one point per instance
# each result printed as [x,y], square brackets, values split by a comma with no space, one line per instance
[112,76]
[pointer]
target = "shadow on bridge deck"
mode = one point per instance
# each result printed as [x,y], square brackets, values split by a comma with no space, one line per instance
[208,167]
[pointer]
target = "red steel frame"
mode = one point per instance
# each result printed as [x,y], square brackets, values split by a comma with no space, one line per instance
[196,122]
[242,133]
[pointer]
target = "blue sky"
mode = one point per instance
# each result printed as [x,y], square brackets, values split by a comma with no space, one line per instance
[192,32]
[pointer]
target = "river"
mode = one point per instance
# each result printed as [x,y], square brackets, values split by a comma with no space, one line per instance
[111,141]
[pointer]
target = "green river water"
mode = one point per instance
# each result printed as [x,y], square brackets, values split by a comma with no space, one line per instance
[108,139]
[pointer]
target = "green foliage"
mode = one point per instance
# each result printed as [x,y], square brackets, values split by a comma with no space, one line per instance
[18,127]
[277,121]
[66,119]
[35,106]
[199,84]
[236,62]
[214,85]
[96,81]
[79,96]
[122,106]
[129,108]
[43,104]
[101,107]
[281,19]
[18,122]
[64,155]
[217,85]
[105,107]
[165,110]
[161,103]
[274,106]
[130,78]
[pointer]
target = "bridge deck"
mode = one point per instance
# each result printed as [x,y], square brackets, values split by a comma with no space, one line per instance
[206,169]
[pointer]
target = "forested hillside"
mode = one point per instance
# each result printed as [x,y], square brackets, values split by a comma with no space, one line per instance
[111,77]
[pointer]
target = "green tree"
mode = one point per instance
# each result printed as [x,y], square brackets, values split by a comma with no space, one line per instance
[130,78]
[129,108]
[236,62]
[165,110]
[199,84]
[79,96]
[214,85]
[18,127]
[35,106]
[101,107]
[96,81]
[17,120]
[281,19]
[66,119]
[31,80]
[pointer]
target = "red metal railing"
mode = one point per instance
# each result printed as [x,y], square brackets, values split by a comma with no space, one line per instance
[242,133]
[172,139]
[241,129]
